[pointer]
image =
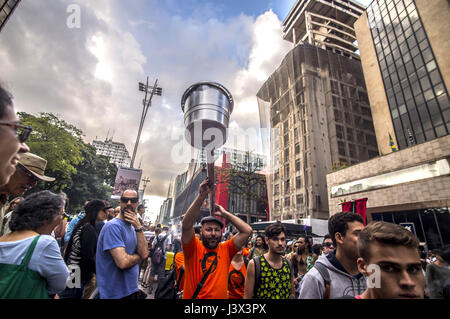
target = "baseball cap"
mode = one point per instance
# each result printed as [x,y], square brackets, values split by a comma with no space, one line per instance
[209,219]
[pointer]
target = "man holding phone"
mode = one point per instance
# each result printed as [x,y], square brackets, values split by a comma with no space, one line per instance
[121,247]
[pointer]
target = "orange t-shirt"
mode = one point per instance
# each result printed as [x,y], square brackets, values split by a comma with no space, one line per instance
[198,259]
[236,282]
[179,262]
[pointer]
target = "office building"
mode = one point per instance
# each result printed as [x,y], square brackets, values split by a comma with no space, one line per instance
[404,49]
[117,152]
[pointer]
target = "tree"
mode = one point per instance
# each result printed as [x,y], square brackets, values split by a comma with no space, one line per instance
[94,179]
[77,169]
[245,179]
[57,141]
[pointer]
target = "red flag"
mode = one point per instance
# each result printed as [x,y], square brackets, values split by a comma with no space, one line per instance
[347,206]
[361,208]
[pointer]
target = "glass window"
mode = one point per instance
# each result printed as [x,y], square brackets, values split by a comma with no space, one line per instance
[435,77]
[429,135]
[425,83]
[440,130]
[439,89]
[444,102]
[399,98]
[394,113]
[433,107]
[420,35]
[421,72]
[428,95]
[431,66]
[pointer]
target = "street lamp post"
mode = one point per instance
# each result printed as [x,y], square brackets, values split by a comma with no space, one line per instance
[146,105]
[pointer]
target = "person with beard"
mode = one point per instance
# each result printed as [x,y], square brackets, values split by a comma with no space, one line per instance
[276,276]
[120,248]
[208,260]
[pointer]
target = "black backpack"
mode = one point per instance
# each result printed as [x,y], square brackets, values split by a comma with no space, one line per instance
[168,286]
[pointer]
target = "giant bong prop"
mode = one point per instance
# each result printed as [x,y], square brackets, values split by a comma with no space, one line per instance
[207,107]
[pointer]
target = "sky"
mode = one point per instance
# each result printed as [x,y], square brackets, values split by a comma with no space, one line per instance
[82,60]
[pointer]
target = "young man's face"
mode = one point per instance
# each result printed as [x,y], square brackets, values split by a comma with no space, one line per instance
[211,234]
[348,242]
[277,244]
[401,275]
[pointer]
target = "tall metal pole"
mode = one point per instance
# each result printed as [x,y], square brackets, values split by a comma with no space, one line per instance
[146,106]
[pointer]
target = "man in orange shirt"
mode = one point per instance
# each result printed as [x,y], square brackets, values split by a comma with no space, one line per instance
[209,258]
[236,276]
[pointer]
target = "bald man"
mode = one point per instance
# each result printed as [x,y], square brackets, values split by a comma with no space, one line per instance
[121,247]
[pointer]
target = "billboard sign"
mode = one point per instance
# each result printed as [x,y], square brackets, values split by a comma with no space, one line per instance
[126,178]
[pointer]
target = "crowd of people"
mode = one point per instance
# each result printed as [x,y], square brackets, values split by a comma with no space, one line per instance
[109,253]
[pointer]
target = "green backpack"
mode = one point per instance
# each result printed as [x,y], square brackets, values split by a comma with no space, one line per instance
[20,282]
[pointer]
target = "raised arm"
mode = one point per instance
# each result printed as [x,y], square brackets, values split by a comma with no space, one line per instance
[187,225]
[244,229]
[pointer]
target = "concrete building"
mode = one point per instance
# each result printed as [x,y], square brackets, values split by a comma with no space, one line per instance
[317,108]
[407,186]
[117,152]
[325,24]
[404,52]
[7,8]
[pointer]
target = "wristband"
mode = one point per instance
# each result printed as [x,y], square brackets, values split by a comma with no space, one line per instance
[140,229]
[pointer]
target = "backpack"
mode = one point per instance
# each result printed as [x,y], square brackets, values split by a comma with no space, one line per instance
[158,251]
[323,271]
[168,286]
[257,261]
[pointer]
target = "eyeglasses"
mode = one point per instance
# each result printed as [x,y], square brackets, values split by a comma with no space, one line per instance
[133,200]
[22,131]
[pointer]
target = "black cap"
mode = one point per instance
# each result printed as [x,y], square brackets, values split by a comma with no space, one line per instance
[213,219]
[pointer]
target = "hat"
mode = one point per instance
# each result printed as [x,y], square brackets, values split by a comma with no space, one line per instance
[35,165]
[213,219]
[107,206]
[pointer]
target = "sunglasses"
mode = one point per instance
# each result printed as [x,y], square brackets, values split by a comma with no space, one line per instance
[133,200]
[328,245]
[22,131]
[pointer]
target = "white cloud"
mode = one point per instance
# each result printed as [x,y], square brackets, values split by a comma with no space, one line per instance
[89,76]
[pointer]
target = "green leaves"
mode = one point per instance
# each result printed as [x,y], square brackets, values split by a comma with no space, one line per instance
[78,170]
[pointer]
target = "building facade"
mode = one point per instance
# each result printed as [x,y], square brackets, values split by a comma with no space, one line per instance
[7,8]
[407,186]
[117,152]
[317,108]
[404,50]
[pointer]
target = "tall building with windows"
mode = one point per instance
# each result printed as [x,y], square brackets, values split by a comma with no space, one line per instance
[7,8]
[317,108]
[117,152]
[404,46]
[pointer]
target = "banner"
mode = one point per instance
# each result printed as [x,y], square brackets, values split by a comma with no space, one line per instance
[126,178]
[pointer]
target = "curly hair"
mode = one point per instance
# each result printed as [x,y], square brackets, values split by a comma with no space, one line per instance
[36,210]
